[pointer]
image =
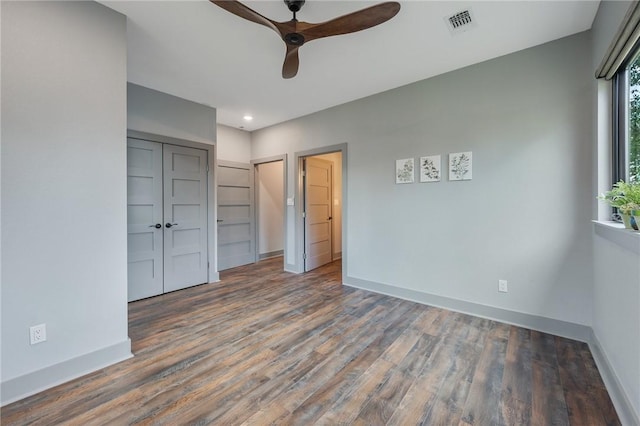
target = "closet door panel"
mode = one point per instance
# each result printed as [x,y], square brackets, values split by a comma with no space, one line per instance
[185,217]
[144,214]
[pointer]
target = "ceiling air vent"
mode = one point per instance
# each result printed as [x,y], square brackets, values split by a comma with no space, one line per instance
[460,22]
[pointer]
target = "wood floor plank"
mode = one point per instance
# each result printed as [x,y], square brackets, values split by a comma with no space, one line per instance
[516,383]
[267,347]
[379,409]
[582,402]
[448,404]
[597,389]
[548,406]
[482,405]
[418,400]
[348,406]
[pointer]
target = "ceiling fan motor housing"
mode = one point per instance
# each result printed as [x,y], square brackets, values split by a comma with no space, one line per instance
[294,39]
[294,5]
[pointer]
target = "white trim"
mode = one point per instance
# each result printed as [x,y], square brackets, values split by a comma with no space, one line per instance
[546,325]
[616,233]
[31,383]
[288,267]
[270,254]
[624,408]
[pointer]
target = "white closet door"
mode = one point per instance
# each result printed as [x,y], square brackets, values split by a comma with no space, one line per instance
[236,229]
[317,222]
[185,217]
[144,215]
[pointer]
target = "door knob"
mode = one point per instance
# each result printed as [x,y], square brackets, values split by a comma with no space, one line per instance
[220,220]
[157,226]
[169,225]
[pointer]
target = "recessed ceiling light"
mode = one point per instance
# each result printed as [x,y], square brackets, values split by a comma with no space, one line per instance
[248,117]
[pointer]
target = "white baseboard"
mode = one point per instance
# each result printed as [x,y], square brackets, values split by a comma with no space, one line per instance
[533,322]
[276,253]
[48,377]
[626,412]
[288,267]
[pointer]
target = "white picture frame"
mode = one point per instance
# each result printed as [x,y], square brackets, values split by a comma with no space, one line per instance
[405,170]
[461,165]
[431,168]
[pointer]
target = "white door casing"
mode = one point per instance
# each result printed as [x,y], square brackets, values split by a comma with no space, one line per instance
[318,186]
[144,213]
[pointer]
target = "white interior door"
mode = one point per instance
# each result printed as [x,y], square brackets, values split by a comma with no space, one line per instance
[185,217]
[318,186]
[236,235]
[144,218]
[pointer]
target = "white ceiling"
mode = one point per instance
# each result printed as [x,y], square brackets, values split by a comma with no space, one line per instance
[195,50]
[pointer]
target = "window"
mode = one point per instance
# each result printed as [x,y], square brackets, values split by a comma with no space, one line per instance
[626,140]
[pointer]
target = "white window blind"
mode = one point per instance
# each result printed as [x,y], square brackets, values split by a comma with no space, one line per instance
[622,44]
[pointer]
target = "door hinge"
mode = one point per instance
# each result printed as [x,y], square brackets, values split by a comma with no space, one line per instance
[304,255]
[304,214]
[207,168]
[304,173]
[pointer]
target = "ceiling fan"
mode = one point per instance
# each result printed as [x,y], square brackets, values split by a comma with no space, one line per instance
[296,33]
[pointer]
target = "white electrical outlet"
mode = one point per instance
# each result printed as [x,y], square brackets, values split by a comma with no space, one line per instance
[502,286]
[38,333]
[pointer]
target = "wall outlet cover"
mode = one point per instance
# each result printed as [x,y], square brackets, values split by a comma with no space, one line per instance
[38,333]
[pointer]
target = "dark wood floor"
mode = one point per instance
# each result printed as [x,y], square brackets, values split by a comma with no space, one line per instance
[269,347]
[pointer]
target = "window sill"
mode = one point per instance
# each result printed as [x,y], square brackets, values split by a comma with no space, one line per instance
[615,232]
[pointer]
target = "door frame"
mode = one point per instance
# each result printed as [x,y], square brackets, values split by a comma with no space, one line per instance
[299,186]
[256,200]
[212,214]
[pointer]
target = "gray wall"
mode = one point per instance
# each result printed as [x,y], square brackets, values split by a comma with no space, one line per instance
[269,187]
[233,144]
[525,216]
[159,113]
[616,291]
[616,318]
[64,258]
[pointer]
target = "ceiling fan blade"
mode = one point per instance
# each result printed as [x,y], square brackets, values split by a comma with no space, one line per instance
[291,62]
[352,22]
[245,12]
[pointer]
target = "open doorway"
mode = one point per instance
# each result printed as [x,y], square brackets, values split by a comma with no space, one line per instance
[321,182]
[270,206]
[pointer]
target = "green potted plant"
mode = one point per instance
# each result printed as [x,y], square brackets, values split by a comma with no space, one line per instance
[626,198]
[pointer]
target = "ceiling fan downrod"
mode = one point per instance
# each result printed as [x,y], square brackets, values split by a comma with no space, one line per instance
[294,6]
[294,39]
